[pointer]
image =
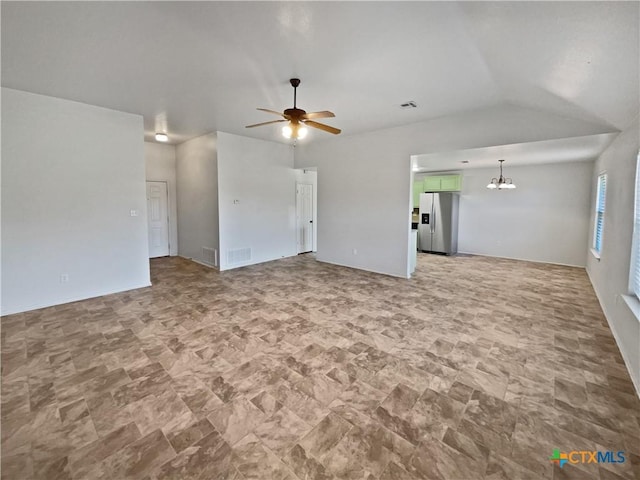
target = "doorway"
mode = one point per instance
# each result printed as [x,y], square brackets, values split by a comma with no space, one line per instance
[158,219]
[304,217]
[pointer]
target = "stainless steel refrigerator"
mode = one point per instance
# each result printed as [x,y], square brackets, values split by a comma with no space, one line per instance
[438,227]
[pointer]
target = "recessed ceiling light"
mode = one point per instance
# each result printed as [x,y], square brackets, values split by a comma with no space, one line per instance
[162,137]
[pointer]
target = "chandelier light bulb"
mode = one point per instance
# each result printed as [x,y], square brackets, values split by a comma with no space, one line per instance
[287,131]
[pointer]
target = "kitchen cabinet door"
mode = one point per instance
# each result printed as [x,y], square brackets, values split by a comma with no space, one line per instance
[417,190]
[443,183]
[432,184]
[450,183]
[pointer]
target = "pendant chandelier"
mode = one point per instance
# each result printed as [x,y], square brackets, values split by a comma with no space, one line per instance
[501,183]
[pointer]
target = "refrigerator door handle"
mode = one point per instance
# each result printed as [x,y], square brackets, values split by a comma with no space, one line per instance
[433,220]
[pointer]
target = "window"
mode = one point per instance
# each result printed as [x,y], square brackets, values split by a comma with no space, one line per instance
[599,220]
[634,271]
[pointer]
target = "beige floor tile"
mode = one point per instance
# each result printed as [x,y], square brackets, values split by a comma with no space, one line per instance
[296,369]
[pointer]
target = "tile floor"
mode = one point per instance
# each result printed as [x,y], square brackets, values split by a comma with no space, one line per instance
[477,368]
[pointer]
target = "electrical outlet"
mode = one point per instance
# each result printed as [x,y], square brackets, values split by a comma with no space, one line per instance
[133,213]
[64,278]
[355,251]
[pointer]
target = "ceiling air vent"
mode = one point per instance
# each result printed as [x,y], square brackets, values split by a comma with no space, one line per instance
[409,104]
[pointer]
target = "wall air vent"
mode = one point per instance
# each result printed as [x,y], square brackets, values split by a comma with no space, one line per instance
[409,104]
[238,255]
[210,256]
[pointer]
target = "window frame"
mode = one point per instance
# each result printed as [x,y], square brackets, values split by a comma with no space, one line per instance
[599,214]
[634,263]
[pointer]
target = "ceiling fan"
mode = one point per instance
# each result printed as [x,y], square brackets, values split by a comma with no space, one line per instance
[298,118]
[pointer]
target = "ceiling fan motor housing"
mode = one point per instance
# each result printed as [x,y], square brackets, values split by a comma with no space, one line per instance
[294,113]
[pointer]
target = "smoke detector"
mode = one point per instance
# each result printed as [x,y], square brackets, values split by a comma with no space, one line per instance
[409,104]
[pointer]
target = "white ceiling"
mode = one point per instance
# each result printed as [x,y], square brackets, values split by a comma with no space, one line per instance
[198,67]
[574,149]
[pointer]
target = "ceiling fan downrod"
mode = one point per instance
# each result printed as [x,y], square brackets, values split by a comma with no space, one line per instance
[294,83]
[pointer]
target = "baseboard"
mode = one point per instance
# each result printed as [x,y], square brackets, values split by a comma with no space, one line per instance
[37,306]
[616,337]
[364,269]
[266,260]
[199,262]
[523,259]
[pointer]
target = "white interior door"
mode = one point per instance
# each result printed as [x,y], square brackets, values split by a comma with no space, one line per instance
[304,215]
[158,219]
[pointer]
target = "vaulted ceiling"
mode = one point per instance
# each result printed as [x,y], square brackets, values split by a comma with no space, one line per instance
[197,67]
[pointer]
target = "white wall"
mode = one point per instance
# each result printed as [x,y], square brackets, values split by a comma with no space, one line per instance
[363,203]
[610,274]
[197,193]
[545,219]
[160,165]
[310,177]
[256,199]
[71,174]
[371,214]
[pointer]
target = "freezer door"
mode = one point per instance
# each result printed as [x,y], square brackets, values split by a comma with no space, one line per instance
[426,222]
[442,207]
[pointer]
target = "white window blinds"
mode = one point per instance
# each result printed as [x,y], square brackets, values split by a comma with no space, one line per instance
[599,219]
[635,252]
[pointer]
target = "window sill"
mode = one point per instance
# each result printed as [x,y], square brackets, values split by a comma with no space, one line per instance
[633,303]
[595,253]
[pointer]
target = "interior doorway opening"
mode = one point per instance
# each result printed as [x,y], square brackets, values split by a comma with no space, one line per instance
[158,219]
[306,210]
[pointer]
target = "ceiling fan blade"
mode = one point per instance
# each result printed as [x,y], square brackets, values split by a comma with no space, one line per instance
[323,114]
[322,126]
[272,111]
[264,123]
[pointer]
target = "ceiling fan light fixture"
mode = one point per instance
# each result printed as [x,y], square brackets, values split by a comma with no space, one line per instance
[287,131]
[162,137]
[298,119]
[294,130]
